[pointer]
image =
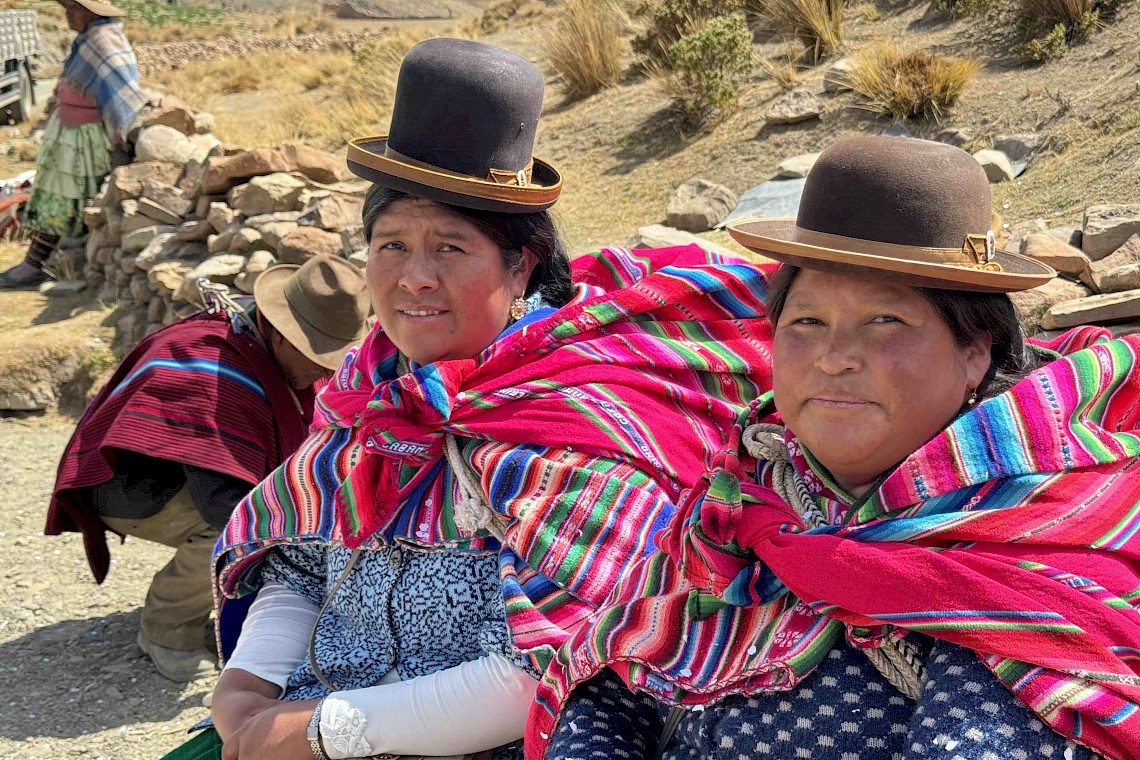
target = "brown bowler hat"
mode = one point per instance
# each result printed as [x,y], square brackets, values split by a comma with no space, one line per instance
[916,209]
[321,306]
[97,7]
[462,133]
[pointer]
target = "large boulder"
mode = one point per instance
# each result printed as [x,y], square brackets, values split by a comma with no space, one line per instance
[794,107]
[335,212]
[220,269]
[317,165]
[304,243]
[168,197]
[267,194]
[162,143]
[126,182]
[1105,307]
[258,262]
[223,172]
[1019,147]
[247,240]
[162,248]
[796,166]
[132,217]
[220,216]
[1049,250]
[136,241]
[197,230]
[172,112]
[699,205]
[1106,227]
[996,165]
[167,277]
[660,236]
[1031,305]
[1104,276]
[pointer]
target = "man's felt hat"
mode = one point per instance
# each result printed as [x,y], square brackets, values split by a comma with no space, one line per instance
[462,133]
[321,307]
[916,210]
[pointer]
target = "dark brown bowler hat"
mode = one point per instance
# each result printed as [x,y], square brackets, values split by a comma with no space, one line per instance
[916,209]
[321,307]
[462,132]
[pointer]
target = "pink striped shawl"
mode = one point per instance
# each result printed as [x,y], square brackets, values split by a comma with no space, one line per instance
[1016,531]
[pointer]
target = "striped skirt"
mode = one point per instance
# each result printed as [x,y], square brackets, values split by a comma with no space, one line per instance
[70,168]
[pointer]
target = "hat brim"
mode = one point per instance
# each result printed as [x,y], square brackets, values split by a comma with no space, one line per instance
[775,238]
[320,348]
[366,160]
[99,9]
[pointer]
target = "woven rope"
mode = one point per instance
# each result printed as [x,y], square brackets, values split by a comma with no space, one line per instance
[472,512]
[898,660]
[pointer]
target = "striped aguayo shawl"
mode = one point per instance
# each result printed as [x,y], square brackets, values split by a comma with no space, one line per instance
[1012,533]
[102,69]
[197,392]
[584,427]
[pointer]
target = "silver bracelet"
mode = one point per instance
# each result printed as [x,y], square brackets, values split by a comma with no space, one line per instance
[313,734]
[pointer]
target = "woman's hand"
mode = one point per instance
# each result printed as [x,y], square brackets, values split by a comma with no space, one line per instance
[238,697]
[277,733]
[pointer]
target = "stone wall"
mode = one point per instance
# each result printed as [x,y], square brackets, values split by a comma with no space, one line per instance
[189,208]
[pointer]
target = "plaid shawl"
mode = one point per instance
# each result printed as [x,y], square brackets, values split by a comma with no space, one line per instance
[1012,533]
[102,68]
[584,428]
[198,391]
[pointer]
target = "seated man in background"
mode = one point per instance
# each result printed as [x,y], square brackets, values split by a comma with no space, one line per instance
[195,415]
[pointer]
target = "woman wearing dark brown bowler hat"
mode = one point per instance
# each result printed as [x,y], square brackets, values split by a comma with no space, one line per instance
[483,470]
[926,543]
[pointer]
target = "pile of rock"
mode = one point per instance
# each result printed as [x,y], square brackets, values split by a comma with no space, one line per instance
[1099,266]
[191,208]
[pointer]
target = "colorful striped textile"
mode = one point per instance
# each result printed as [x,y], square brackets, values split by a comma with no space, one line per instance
[101,68]
[584,428]
[197,392]
[1012,533]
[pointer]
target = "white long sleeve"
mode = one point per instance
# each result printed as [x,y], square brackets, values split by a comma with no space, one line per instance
[476,706]
[275,636]
[471,707]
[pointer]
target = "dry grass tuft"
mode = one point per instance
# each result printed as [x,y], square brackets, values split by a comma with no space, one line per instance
[1051,27]
[816,24]
[585,46]
[908,84]
[294,24]
[783,73]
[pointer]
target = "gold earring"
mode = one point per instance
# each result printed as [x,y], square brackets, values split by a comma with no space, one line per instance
[518,309]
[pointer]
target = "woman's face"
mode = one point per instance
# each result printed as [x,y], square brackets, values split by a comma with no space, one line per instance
[77,17]
[866,372]
[438,283]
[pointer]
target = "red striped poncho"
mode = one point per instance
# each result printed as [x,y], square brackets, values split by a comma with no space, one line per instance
[1015,533]
[583,427]
[197,392]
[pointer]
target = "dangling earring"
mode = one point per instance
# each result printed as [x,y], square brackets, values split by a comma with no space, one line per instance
[973,397]
[518,309]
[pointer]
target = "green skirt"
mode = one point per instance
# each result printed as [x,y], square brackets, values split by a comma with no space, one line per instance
[206,745]
[70,169]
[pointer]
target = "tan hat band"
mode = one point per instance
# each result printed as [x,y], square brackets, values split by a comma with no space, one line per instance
[521,178]
[305,309]
[976,251]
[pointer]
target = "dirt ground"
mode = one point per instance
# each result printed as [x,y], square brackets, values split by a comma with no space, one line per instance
[72,681]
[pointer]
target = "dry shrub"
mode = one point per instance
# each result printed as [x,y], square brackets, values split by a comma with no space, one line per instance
[667,21]
[1051,27]
[503,13]
[706,66]
[816,24]
[584,47]
[868,12]
[907,84]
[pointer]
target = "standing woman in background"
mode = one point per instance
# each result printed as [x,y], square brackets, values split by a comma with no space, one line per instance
[96,101]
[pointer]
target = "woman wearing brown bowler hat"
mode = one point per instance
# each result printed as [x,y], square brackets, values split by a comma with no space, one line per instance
[924,544]
[488,463]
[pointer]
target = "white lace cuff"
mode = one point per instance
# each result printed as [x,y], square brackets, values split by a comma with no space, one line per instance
[342,730]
